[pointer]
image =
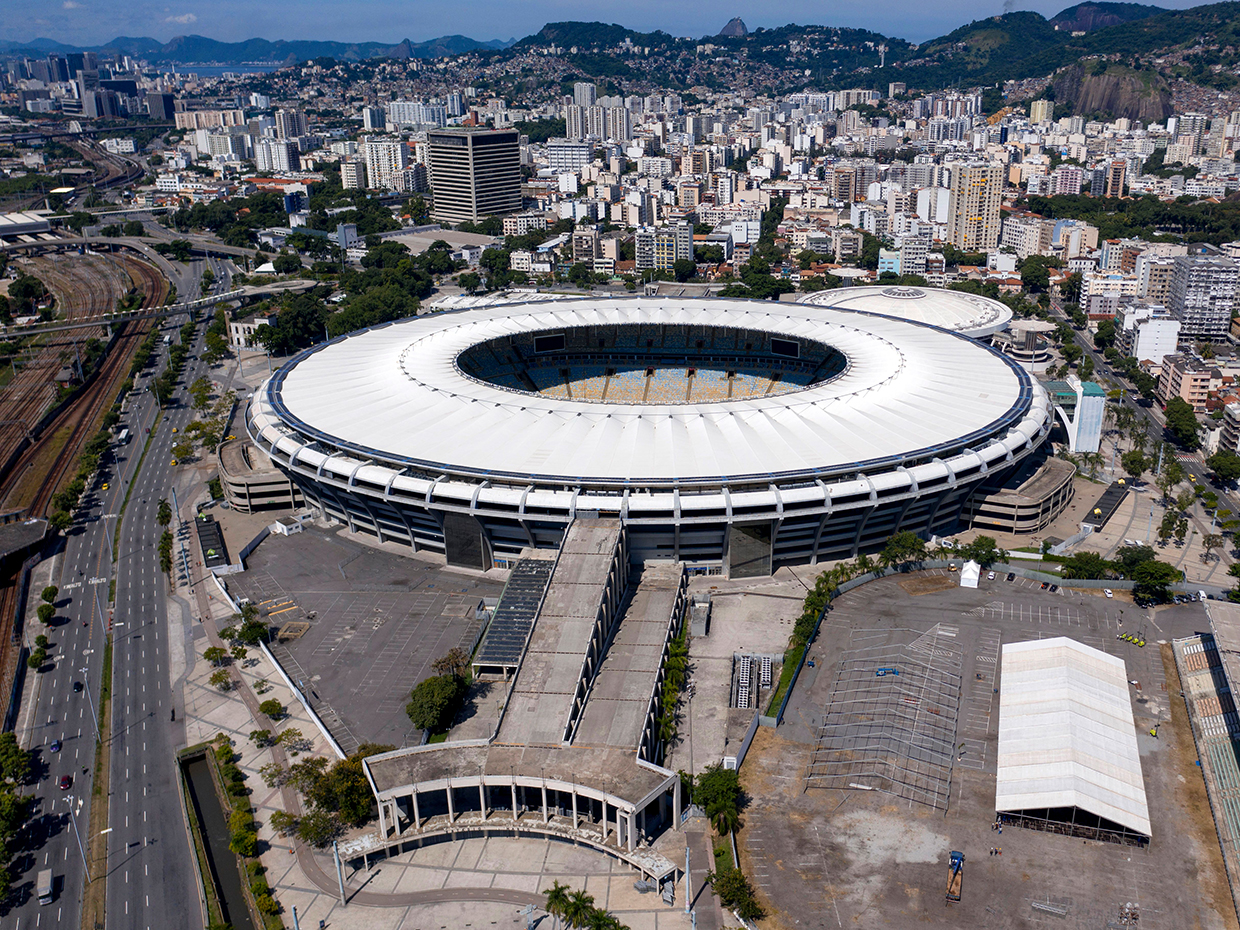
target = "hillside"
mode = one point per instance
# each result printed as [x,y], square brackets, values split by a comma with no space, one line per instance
[1116,91]
[1087,17]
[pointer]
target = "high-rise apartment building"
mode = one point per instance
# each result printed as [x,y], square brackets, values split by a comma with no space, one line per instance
[574,123]
[384,161]
[474,173]
[374,119]
[1115,178]
[661,247]
[276,155]
[585,94]
[973,221]
[1203,291]
[353,173]
[290,124]
[1041,111]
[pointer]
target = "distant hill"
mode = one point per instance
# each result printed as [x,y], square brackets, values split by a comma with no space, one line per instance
[202,50]
[734,29]
[1086,17]
[590,35]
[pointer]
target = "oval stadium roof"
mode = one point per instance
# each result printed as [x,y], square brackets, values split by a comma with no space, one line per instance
[969,314]
[395,394]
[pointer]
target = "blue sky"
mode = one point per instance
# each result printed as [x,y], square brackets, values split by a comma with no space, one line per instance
[91,22]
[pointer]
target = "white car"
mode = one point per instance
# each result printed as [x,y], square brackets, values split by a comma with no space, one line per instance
[1108,592]
[990,576]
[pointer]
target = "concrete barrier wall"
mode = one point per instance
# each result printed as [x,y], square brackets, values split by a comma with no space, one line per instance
[301,698]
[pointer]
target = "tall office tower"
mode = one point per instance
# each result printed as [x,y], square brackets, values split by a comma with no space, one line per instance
[1115,178]
[976,192]
[474,173]
[455,104]
[374,118]
[384,161]
[1041,111]
[353,173]
[290,124]
[574,123]
[161,106]
[1203,291]
[584,94]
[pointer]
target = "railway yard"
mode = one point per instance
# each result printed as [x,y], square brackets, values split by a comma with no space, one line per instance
[38,452]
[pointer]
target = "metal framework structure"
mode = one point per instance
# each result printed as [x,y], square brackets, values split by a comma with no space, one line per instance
[890,724]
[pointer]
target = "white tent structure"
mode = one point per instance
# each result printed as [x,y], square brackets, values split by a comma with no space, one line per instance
[1068,759]
[970,574]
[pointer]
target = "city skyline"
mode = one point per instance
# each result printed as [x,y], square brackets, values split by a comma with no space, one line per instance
[94,22]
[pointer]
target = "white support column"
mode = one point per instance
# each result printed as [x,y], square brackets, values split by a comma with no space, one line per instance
[451,810]
[482,795]
[383,819]
[544,792]
[619,828]
[514,798]
[631,825]
[605,824]
[417,814]
[574,807]
[676,804]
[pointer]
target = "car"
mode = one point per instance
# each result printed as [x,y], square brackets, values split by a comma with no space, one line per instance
[1108,592]
[77,687]
[1011,576]
[174,429]
[65,783]
[990,576]
[1045,585]
[55,747]
[105,485]
[951,566]
[1054,588]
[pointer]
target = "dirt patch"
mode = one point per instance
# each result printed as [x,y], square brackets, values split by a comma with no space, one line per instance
[1211,875]
[927,584]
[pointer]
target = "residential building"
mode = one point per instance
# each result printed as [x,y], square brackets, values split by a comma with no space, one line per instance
[209,119]
[416,113]
[353,173]
[374,119]
[1041,111]
[1187,377]
[290,124]
[568,155]
[976,192]
[661,247]
[474,173]
[384,160]
[1203,292]
[1146,331]
[522,224]
[276,155]
[585,94]
[1115,173]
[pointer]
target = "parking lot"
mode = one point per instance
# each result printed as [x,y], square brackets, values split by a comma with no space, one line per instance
[827,855]
[367,625]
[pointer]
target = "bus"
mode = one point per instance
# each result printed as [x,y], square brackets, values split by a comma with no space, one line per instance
[122,437]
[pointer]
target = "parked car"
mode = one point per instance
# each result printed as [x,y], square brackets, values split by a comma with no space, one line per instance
[1054,588]
[1011,576]
[990,576]
[1045,585]
[1108,592]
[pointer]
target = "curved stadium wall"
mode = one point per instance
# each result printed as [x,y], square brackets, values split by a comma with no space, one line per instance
[730,434]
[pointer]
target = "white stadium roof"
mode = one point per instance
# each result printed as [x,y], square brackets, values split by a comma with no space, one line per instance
[1066,734]
[960,312]
[395,393]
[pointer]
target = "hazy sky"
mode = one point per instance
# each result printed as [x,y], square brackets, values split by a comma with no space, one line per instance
[91,22]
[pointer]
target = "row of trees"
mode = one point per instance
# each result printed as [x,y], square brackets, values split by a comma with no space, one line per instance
[1138,564]
[16,769]
[435,701]
[577,909]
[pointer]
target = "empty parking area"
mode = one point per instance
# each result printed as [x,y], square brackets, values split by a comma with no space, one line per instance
[842,856]
[368,625]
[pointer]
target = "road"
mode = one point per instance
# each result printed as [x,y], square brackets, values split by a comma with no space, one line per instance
[150,870]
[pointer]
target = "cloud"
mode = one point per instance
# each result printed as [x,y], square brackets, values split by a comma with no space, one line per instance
[70,5]
[184,19]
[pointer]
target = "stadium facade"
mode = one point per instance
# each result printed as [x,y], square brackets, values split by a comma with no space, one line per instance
[735,436]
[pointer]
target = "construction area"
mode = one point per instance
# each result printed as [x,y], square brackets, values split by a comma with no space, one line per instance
[892,757]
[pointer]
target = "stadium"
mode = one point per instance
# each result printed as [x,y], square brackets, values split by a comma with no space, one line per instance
[958,311]
[735,436]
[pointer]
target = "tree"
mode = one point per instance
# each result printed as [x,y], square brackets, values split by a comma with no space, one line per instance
[239,653]
[577,910]
[1182,422]
[15,765]
[215,655]
[718,792]
[905,546]
[1085,368]
[1152,579]
[1086,565]
[262,738]
[683,269]
[283,823]
[36,659]
[984,551]
[557,901]
[286,263]
[1209,543]
[1225,464]
[50,593]
[222,680]
[163,515]
[735,891]
[1135,463]
[46,613]
[455,663]
[319,828]
[273,709]
[433,703]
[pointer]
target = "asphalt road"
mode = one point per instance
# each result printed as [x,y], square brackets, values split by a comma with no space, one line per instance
[150,870]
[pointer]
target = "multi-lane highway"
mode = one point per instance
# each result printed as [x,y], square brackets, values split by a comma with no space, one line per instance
[149,871]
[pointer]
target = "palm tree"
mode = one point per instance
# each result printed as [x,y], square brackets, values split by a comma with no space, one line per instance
[578,908]
[864,563]
[557,901]
[726,820]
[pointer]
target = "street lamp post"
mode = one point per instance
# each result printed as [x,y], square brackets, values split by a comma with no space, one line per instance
[93,717]
[73,817]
